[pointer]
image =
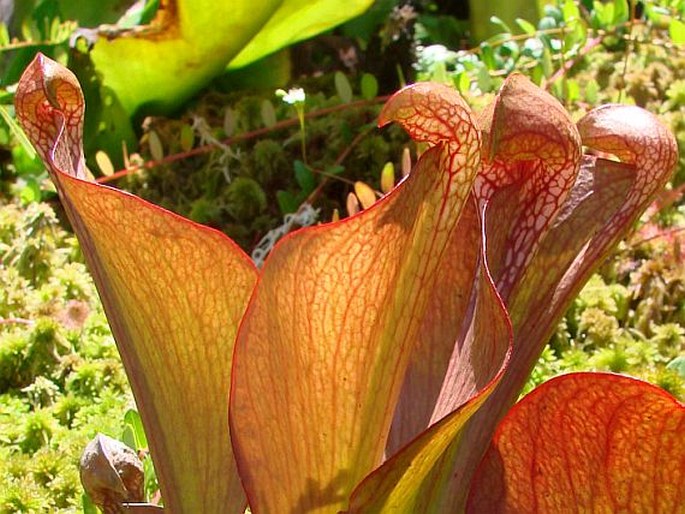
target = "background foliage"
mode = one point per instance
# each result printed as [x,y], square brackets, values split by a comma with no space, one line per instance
[256,165]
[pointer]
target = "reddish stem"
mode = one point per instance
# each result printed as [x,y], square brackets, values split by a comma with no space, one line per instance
[18,321]
[291,122]
[591,44]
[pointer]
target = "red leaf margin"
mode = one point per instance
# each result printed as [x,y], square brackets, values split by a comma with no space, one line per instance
[597,442]
[141,256]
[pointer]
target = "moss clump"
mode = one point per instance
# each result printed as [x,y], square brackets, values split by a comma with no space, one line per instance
[66,408]
[46,345]
[245,199]
[21,495]
[205,211]
[37,431]
[61,380]
[611,358]
[13,349]
[596,327]
[268,163]
[669,380]
[89,378]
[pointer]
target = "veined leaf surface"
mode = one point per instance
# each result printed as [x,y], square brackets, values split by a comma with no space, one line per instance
[550,218]
[296,20]
[590,442]
[328,334]
[606,199]
[173,291]
[383,335]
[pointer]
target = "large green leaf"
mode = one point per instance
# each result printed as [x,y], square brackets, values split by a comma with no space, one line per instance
[159,66]
[294,21]
[173,291]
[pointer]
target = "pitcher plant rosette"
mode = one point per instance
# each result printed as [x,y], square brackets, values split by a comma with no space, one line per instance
[372,364]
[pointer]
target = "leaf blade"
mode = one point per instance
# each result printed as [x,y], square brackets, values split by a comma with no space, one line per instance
[334,318]
[293,21]
[136,64]
[414,479]
[605,200]
[591,440]
[152,269]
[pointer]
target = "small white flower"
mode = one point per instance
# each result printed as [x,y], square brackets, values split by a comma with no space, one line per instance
[293,96]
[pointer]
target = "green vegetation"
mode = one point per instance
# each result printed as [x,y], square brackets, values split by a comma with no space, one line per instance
[61,379]
[264,173]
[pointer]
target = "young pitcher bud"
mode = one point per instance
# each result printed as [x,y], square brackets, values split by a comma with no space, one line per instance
[111,474]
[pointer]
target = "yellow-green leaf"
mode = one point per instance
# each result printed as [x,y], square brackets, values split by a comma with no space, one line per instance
[322,349]
[295,20]
[187,44]
[173,291]
[366,195]
[343,87]
[387,177]
[104,163]
[676,29]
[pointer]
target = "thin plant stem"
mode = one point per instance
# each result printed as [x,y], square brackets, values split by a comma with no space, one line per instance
[303,141]
[561,72]
[664,233]
[17,321]
[338,161]
[629,45]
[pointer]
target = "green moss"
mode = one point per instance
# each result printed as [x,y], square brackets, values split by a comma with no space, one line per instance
[44,425]
[205,211]
[669,339]
[65,488]
[41,393]
[32,242]
[612,358]
[66,408]
[37,430]
[13,350]
[22,496]
[676,93]
[596,327]
[89,378]
[13,293]
[245,199]
[613,299]
[669,380]
[73,281]
[267,163]
[95,340]
[46,344]
[45,467]
[373,152]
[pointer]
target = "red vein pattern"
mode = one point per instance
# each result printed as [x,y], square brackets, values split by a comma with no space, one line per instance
[173,291]
[586,443]
[638,139]
[50,107]
[385,334]
[531,141]
[326,340]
